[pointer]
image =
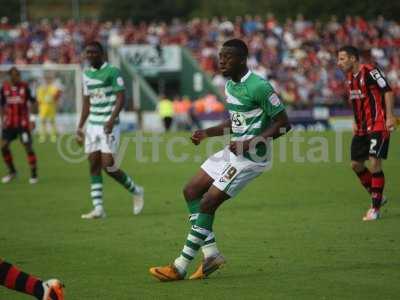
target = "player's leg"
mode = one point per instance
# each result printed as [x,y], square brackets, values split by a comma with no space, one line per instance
[363,174]
[53,128]
[26,140]
[43,129]
[109,147]
[377,186]
[198,233]
[234,178]
[108,165]
[193,193]
[197,189]
[96,186]
[378,150]
[234,175]
[15,279]
[378,181]
[359,154]
[210,202]
[7,137]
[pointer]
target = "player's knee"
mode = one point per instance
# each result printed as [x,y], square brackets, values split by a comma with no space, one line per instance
[4,145]
[357,166]
[189,192]
[4,149]
[207,205]
[110,168]
[106,167]
[375,165]
[28,148]
[95,169]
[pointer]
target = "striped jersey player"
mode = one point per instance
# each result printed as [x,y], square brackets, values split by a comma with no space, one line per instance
[372,100]
[103,91]
[256,116]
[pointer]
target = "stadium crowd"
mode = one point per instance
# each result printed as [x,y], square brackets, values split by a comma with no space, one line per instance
[298,55]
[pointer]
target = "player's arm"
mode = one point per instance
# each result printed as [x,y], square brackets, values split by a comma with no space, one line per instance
[83,118]
[119,104]
[375,76]
[118,88]
[280,126]
[389,105]
[221,129]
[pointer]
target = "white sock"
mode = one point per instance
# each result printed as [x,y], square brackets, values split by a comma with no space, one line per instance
[181,263]
[99,208]
[210,249]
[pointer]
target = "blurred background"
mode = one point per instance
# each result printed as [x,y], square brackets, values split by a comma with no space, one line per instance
[168,53]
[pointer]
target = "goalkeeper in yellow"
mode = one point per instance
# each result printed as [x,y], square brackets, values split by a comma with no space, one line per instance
[48,95]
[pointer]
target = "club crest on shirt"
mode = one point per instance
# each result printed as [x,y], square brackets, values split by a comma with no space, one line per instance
[274,100]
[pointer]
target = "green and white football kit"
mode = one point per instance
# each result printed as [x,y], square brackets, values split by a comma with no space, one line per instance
[252,104]
[102,85]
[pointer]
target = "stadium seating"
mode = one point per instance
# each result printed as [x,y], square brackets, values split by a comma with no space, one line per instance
[298,56]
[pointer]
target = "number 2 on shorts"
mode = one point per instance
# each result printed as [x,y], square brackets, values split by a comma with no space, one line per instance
[372,146]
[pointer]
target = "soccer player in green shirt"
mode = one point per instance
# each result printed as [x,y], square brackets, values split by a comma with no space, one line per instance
[256,116]
[103,99]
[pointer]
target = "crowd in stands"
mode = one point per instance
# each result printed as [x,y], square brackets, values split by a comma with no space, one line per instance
[297,55]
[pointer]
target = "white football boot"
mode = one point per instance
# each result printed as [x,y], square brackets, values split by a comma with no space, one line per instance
[53,290]
[9,177]
[372,214]
[33,180]
[96,213]
[138,200]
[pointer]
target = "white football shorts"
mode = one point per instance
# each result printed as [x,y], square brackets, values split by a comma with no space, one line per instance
[231,173]
[97,140]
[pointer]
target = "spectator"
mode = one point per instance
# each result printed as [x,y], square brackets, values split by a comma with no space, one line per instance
[300,51]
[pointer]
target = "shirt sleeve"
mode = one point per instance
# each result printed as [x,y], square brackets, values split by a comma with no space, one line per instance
[117,81]
[269,101]
[375,76]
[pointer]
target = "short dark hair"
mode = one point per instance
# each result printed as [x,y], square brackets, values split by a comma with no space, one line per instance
[351,51]
[13,69]
[239,45]
[96,44]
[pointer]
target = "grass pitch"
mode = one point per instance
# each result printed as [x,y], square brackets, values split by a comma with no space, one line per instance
[293,233]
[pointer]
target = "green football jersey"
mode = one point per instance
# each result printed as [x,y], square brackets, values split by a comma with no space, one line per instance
[252,103]
[102,85]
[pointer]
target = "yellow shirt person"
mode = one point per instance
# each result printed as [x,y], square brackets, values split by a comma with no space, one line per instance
[166,112]
[47,95]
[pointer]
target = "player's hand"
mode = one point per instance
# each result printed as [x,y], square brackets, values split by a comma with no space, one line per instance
[354,126]
[108,127]
[198,136]
[80,136]
[239,147]
[391,123]
[32,123]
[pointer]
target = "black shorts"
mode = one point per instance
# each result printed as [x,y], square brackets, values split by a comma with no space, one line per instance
[10,134]
[375,144]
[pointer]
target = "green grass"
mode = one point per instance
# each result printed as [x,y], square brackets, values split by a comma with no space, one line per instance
[294,233]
